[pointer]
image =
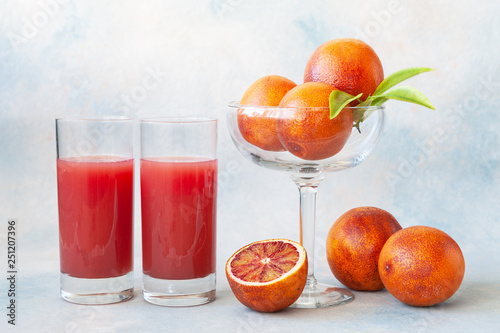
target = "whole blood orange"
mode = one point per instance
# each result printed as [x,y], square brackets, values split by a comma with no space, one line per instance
[258,126]
[306,129]
[421,266]
[269,275]
[354,243]
[349,65]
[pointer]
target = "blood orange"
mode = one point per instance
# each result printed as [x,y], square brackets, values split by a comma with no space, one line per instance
[348,64]
[307,131]
[421,266]
[354,243]
[268,275]
[258,126]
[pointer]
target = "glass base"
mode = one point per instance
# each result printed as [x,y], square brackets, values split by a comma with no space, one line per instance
[321,295]
[97,291]
[179,292]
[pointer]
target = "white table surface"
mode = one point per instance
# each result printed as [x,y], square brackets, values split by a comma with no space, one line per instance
[474,308]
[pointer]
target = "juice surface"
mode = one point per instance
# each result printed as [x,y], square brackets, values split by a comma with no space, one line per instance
[178,199]
[95,216]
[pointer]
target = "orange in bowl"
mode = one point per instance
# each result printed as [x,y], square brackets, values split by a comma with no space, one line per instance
[348,64]
[258,125]
[307,130]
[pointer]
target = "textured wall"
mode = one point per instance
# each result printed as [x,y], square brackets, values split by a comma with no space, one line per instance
[164,58]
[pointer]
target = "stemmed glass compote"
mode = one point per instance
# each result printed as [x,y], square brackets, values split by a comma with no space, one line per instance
[253,128]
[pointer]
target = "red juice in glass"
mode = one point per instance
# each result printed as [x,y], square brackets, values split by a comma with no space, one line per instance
[178,200]
[95,216]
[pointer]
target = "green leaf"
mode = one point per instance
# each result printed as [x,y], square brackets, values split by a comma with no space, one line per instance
[358,115]
[377,101]
[373,101]
[339,100]
[407,94]
[399,77]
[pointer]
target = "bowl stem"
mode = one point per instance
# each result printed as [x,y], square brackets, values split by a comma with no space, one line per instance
[314,295]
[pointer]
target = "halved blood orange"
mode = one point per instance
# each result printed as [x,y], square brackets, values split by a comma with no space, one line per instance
[268,275]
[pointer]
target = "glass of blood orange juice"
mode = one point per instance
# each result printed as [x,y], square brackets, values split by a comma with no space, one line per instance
[178,207]
[95,183]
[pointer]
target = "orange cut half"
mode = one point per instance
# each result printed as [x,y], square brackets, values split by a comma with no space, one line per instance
[268,275]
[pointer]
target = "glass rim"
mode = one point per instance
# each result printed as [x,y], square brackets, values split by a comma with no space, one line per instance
[237,105]
[94,118]
[178,120]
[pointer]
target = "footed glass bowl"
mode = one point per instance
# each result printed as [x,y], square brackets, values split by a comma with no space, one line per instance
[305,143]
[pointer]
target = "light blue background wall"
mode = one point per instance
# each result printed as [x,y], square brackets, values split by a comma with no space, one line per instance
[165,58]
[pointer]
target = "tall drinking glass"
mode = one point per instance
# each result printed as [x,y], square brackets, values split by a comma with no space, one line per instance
[95,171]
[178,207]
